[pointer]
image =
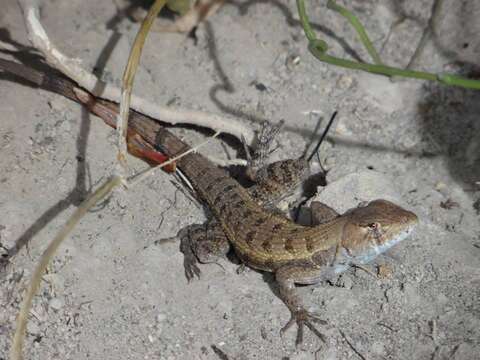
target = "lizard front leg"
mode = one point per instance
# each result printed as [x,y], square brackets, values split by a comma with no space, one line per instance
[286,277]
[204,243]
[321,213]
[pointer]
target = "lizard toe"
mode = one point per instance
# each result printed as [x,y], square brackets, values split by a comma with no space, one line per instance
[190,264]
[191,270]
[304,318]
[189,259]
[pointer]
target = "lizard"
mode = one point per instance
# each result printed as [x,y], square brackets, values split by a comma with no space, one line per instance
[261,238]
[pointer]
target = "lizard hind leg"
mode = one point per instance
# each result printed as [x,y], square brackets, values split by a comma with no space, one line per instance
[286,278]
[257,162]
[204,243]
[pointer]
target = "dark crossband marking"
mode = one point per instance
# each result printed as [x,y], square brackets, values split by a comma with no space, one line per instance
[219,180]
[223,207]
[247,213]
[277,227]
[237,203]
[284,165]
[310,244]
[228,188]
[217,199]
[210,186]
[267,246]
[260,221]
[237,225]
[220,196]
[203,172]
[294,230]
[289,246]
[250,237]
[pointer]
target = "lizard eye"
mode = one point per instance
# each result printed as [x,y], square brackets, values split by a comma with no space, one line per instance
[373,226]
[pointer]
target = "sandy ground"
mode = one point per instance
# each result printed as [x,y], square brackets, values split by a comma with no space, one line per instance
[112,294]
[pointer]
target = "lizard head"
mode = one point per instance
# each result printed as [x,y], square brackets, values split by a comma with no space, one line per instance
[374,228]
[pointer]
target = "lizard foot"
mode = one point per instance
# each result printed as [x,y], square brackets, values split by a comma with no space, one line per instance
[189,259]
[303,318]
[202,243]
[190,265]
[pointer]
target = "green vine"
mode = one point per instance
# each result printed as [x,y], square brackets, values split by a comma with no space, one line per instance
[319,49]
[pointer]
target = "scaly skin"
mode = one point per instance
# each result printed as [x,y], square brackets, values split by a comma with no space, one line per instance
[261,238]
[267,241]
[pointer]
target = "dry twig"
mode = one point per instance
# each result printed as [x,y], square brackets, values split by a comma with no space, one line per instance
[72,68]
[30,9]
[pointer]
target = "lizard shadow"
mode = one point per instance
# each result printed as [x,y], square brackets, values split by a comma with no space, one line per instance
[29,57]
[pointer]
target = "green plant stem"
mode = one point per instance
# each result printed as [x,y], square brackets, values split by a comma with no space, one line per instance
[358,28]
[309,33]
[319,49]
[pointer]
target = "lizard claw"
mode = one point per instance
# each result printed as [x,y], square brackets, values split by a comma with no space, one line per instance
[191,269]
[303,318]
[189,260]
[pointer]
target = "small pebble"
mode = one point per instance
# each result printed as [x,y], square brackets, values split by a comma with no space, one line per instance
[292,61]
[344,82]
